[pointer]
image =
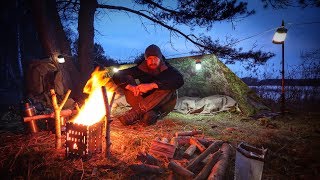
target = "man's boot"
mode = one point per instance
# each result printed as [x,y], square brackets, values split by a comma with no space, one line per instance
[150,118]
[130,117]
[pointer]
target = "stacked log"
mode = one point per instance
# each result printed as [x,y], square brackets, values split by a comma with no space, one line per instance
[202,158]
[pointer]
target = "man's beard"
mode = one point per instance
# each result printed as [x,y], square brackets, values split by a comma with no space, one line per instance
[153,66]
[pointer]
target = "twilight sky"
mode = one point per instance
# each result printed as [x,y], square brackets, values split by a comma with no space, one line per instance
[124,36]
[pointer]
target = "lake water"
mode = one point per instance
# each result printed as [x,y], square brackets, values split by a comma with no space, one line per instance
[291,92]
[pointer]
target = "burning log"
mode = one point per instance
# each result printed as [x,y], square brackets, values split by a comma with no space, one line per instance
[219,169]
[207,168]
[189,152]
[180,170]
[195,142]
[63,113]
[146,168]
[188,133]
[57,113]
[212,148]
[163,149]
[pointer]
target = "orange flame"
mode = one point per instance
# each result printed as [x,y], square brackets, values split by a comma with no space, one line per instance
[93,109]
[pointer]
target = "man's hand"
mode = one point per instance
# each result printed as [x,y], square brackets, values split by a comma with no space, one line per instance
[133,89]
[143,88]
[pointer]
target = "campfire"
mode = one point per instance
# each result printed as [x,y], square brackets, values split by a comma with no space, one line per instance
[86,132]
[94,109]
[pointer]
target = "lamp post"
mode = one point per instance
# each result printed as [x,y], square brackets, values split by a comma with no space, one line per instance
[279,38]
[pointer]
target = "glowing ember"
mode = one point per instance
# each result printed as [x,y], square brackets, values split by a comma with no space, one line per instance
[94,109]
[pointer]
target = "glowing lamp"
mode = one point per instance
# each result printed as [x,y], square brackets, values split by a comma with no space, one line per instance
[61,59]
[280,35]
[115,70]
[198,65]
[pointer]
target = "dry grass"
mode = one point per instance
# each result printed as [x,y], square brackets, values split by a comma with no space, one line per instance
[293,144]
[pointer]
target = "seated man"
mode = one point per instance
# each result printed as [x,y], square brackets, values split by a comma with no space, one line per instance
[155,95]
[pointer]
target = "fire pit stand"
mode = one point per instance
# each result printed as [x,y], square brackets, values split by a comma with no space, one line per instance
[83,141]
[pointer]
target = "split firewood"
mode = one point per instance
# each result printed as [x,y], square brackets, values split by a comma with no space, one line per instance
[165,140]
[200,146]
[147,158]
[188,133]
[204,173]
[57,112]
[183,140]
[212,148]
[218,171]
[176,168]
[190,151]
[174,141]
[146,168]
[63,113]
[162,149]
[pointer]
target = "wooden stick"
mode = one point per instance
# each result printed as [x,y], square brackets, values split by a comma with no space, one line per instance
[188,133]
[108,120]
[218,172]
[194,141]
[63,113]
[212,148]
[180,170]
[57,114]
[189,152]
[204,173]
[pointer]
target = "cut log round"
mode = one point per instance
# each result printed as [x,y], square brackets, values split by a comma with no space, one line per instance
[190,151]
[218,171]
[175,167]
[147,158]
[212,148]
[207,168]
[197,143]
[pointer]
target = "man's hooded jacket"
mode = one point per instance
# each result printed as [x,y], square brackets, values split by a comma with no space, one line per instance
[167,77]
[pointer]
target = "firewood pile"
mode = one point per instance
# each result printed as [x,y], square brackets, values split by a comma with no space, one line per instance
[189,155]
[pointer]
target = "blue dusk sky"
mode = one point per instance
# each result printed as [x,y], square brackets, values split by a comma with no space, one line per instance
[125,36]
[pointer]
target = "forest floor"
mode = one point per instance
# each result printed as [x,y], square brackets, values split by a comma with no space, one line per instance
[293,143]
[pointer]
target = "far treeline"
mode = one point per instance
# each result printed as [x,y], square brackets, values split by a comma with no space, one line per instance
[277,82]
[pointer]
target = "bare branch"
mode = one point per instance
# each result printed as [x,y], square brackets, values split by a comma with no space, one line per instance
[121,8]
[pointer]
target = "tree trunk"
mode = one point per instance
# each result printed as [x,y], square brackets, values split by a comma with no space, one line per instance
[86,38]
[54,41]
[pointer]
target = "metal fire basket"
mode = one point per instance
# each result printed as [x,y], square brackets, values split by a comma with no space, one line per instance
[82,140]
